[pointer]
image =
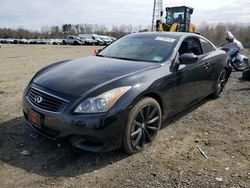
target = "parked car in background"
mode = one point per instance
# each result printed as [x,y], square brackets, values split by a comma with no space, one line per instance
[98,39]
[23,41]
[57,41]
[88,39]
[16,41]
[7,41]
[32,41]
[20,41]
[41,41]
[49,41]
[107,40]
[113,39]
[54,41]
[37,41]
[73,40]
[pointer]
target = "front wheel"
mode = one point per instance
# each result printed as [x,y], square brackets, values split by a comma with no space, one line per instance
[221,83]
[240,66]
[143,124]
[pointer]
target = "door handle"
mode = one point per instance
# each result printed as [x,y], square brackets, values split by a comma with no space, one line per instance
[206,65]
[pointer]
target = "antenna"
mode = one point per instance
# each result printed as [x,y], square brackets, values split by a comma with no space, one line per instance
[157,11]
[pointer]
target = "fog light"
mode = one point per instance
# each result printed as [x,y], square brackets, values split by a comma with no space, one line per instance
[80,124]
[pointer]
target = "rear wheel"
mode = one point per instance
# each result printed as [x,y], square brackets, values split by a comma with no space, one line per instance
[221,83]
[76,43]
[143,125]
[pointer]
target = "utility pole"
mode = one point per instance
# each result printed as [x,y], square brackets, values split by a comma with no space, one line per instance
[157,9]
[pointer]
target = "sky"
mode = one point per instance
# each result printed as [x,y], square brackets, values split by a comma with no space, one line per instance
[33,14]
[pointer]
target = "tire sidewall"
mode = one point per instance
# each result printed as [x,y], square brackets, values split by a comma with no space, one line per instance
[217,93]
[127,144]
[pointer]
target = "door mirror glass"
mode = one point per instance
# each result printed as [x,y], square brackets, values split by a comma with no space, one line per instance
[188,58]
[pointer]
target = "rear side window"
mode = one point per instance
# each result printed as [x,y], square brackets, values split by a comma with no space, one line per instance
[206,46]
[191,45]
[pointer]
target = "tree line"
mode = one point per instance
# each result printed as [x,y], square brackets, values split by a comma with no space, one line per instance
[216,33]
[47,32]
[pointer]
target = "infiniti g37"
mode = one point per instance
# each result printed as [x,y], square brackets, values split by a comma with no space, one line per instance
[119,97]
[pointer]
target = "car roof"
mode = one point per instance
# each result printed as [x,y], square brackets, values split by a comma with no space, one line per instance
[175,34]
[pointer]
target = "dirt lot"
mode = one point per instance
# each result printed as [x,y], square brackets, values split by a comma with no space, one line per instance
[220,127]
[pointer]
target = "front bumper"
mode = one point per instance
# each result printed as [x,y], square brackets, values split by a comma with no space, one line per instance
[93,132]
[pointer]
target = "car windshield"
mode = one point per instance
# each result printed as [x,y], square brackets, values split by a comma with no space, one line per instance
[149,48]
[85,36]
[96,37]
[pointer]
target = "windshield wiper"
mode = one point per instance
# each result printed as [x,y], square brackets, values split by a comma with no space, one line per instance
[124,58]
[100,55]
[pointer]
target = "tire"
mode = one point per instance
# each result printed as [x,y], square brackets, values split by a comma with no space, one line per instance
[143,124]
[63,42]
[76,43]
[246,75]
[237,65]
[221,83]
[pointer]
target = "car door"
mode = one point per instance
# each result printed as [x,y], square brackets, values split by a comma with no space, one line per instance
[212,58]
[190,80]
[71,40]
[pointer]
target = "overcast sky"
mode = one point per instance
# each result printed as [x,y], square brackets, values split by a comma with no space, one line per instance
[33,14]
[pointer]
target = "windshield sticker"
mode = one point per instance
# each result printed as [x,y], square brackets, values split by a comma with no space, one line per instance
[165,39]
[157,58]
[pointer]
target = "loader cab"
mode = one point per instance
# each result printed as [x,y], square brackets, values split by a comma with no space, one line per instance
[181,15]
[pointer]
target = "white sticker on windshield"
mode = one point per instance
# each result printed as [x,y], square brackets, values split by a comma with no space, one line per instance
[165,39]
[157,58]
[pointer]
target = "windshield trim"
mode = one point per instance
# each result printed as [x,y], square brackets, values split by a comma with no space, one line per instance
[128,59]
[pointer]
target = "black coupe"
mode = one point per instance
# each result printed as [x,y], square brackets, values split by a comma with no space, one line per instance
[119,97]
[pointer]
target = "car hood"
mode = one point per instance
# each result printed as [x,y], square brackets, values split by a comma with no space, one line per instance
[76,77]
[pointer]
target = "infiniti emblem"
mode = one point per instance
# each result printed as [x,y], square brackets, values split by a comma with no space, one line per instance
[38,99]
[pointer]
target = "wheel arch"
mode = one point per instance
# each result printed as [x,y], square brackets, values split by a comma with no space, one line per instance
[228,71]
[153,95]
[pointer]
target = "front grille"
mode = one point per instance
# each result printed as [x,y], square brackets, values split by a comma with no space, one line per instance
[49,102]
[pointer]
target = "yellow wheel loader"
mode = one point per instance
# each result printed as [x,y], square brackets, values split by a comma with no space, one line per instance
[178,19]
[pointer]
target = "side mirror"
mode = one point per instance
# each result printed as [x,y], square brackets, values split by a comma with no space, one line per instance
[188,58]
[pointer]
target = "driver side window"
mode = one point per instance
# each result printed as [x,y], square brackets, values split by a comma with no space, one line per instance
[191,45]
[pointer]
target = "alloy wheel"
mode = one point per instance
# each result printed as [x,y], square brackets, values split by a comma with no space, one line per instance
[222,82]
[145,126]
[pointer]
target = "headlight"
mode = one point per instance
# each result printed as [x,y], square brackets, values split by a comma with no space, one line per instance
[103,102]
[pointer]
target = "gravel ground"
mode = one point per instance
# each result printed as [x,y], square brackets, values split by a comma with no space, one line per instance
[220,127]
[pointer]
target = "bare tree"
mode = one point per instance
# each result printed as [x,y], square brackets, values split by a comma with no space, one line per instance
[214,32]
